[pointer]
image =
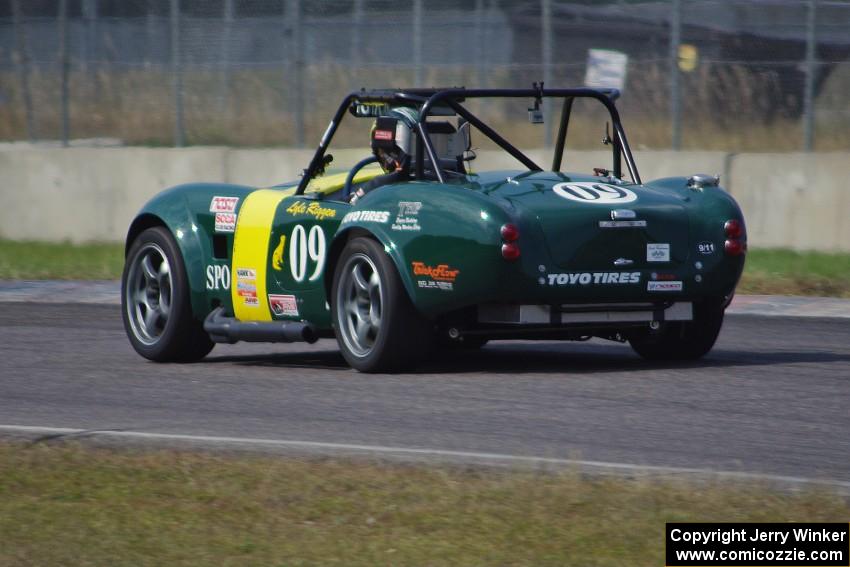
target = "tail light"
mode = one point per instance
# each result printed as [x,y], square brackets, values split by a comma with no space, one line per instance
[734,230]
[509,232]
[510,248]
[510,251]
[734,247]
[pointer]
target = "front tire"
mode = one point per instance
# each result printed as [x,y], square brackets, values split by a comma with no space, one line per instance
[155,302]
[687,340]
[377,327]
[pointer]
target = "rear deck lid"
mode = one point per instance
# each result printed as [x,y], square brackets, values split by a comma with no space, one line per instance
[594,224]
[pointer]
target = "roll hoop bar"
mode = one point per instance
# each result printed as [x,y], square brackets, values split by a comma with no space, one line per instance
[427,99]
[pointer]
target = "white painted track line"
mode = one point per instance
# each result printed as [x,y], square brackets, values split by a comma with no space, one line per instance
[598,467]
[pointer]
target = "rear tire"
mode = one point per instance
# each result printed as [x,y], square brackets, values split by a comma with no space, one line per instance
[686,340]
[155,302]
[377,327]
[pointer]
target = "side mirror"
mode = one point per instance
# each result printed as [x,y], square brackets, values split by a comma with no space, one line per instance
[462,139]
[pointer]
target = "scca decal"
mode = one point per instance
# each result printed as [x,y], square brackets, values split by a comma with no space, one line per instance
[595,193]
[225,222]
[595,278]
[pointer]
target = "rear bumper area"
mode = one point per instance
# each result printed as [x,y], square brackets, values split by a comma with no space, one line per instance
[583,314]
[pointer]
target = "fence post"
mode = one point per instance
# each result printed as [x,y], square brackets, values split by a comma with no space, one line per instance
[675,93]
[811,71]
[91,52]
[150,33]
[177,75]
[64,64]
[478,38]
[224,63]
[296,59]
[418,74]
[546,44]
[356,37]
[22,61]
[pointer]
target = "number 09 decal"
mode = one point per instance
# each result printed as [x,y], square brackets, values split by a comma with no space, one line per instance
[306,246]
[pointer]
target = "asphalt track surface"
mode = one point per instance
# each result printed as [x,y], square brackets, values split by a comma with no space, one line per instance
[772,398]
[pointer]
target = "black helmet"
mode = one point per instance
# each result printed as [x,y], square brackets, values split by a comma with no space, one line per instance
[392,138]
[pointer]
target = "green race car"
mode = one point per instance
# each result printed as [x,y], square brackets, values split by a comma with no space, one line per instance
[408,249]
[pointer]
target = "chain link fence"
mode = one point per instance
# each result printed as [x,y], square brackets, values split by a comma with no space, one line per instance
[730,75]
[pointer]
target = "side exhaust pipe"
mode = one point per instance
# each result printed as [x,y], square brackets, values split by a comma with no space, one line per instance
[230,330]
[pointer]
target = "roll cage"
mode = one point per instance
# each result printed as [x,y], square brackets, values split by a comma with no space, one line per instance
[426,101]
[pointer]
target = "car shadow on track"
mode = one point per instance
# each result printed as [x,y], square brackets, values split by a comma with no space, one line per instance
[534,359]
[321,359]
[539,358]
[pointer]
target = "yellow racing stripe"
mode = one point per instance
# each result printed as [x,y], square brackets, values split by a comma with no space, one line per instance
[250,255]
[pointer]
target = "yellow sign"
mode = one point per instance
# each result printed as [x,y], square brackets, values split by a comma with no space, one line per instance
[688,57]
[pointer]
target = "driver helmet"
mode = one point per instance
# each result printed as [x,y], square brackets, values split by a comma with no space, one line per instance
[392,138]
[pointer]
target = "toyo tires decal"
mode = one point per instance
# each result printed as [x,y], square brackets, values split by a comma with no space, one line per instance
[250,255]
[594,193]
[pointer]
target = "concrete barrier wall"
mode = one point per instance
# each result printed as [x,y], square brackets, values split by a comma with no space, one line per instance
[794,200]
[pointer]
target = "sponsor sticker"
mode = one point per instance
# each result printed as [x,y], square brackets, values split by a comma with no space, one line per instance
[663,277]
[383,135]
[706,248]
[313,209]
[366,216]
[593,278]
[218,277]
[622,223]
[658,252]
[431,284]
[664,286]
[283,305]
[441,272]
[408,216]
[223,204]
[225,222]
[246,286]
[594,193]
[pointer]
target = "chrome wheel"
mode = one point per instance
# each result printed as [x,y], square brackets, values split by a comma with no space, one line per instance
[359,304]
[148,293]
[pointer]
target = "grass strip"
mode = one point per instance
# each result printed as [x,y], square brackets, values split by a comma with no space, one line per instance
[768,271]
[785,272]
[25,260]
[78,505]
